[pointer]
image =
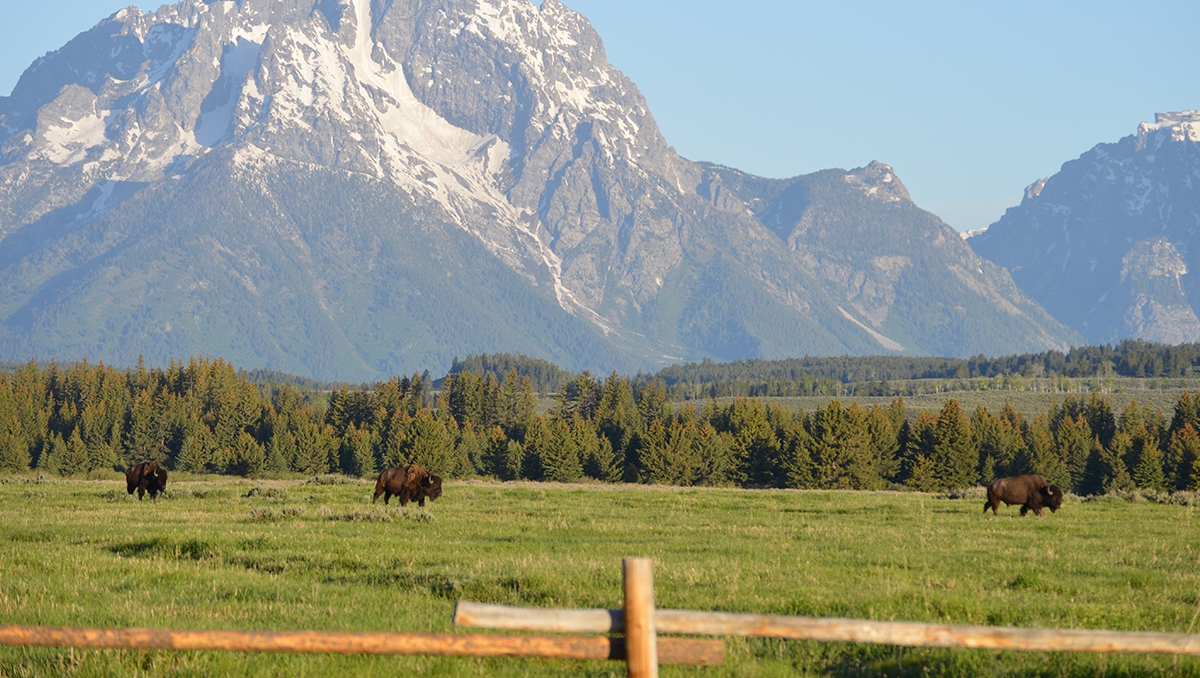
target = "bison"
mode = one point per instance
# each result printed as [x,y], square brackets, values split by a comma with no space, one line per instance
[146,477]
[410,483]
[1030,491]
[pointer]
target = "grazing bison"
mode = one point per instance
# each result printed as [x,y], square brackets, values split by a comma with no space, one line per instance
[410,483]
[146,477]
[1030,491]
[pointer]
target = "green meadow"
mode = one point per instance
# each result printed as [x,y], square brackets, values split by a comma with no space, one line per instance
[219,553]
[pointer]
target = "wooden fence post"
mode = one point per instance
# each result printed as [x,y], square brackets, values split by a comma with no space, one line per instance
[641,637]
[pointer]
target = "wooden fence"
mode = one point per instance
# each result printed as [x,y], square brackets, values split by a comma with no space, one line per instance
[641,623]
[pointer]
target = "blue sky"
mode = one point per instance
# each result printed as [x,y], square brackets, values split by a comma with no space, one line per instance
[970,102]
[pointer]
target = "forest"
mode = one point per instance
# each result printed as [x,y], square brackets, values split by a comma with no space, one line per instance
[204,416]
[870,375]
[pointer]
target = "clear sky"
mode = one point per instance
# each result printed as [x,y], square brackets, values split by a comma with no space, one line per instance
[968,101]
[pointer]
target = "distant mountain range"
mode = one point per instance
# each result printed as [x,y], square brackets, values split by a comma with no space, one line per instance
[1107,245]
[349,189]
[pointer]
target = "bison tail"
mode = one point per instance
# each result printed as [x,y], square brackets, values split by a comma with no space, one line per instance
[987,505]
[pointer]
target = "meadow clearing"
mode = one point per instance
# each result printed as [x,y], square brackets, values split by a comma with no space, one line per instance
[221,553]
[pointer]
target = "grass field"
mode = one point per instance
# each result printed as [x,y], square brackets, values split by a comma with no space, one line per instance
[299,555]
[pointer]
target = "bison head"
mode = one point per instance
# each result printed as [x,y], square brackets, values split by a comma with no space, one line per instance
[432,486]
[1053,497]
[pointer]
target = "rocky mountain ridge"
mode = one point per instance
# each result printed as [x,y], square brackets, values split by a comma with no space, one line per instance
[351,188]
[1107,244]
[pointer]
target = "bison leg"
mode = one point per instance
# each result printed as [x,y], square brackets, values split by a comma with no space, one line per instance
[989,505]
[141,492]
[1024,509]
[421,502]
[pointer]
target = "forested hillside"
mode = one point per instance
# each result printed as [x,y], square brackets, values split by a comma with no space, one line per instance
[204,416]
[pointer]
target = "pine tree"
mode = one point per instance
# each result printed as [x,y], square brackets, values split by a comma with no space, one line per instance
[562,459]
[1101,420]
[14,448]
[1187,413]
[1073,445]
[840,448]
[247,457]
[356,453]
[955,461]
[1180,459]
[314,448]
[1116,471]
[619,421]
[431,444]
[1043,456]
[797,460]
[71,457]
[652,402]
[600,461]
[715,454]
[1148,473]
[918,446]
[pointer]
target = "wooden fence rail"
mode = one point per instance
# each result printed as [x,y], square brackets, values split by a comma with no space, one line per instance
[670,650]
[827,629]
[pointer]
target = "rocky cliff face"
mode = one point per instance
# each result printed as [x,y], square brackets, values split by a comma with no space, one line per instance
[1106,245]
[351,188]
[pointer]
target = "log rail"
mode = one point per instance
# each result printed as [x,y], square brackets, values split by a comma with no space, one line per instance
[829,629]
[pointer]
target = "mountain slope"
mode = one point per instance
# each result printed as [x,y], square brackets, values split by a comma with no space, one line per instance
[1107,244]
[347,189]
[896,270]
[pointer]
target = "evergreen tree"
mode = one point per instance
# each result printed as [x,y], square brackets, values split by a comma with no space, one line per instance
[1187,413]
[246,457]
[652,402]
[1100,419]
[797,460]
[281,453]
[1148,472]
[356,452]
[503,457]
[954,459]
[1180,458]
[619,421]
[70,458]
[1095,470]
[755,447]
[714,451]
[1043,456]
[562,459]
[1073,444]
[840,448]
[599,460]
[579,397]
[14,448]
[1115,470]
[1144,458]
[198,449]
[918,448]
[315,447]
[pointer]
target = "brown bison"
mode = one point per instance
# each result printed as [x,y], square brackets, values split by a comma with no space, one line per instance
[146,477]
[410,483]
[1030,491]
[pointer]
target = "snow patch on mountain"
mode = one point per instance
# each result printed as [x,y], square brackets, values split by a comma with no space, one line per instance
[68,141]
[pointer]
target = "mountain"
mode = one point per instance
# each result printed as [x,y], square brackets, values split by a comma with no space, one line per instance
[1106,245]
[348,189]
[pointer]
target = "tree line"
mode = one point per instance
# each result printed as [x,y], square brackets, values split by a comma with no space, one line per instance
[205,416]
[830,375]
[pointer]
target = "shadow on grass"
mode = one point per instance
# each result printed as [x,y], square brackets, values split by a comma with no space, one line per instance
[851,660]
